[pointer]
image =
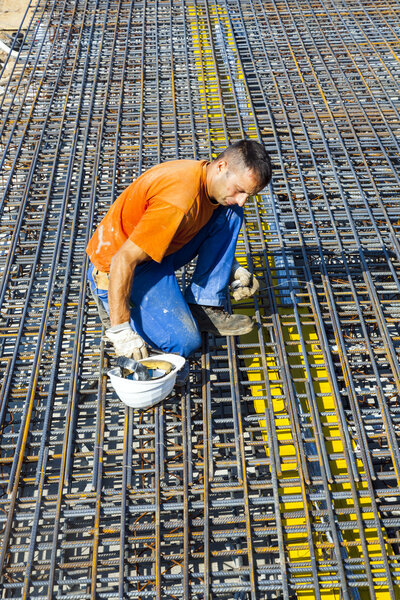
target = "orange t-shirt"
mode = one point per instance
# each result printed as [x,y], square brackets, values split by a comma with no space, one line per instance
[160,212]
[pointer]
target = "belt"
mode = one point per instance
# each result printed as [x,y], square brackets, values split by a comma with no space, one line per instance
[101,279]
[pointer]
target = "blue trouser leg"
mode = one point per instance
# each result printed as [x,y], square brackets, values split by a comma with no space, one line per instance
[160,313]
[214,247]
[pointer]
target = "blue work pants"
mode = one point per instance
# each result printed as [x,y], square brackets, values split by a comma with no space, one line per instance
[160,312]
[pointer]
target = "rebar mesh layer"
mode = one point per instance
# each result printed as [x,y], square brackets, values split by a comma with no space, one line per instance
[276,472]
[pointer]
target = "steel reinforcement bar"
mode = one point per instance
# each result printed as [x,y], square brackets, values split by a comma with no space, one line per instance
[276,472]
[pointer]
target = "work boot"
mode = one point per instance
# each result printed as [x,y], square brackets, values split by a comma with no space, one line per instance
[215,320]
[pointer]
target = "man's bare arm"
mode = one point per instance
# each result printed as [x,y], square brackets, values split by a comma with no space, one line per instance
[122,268]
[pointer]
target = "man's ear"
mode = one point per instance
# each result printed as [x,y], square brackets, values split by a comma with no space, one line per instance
[221,165]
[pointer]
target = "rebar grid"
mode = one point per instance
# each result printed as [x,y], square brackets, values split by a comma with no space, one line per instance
[276,473]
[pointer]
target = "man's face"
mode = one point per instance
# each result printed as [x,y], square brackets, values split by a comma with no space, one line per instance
[230,187]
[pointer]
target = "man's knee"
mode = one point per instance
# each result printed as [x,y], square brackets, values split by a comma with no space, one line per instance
[230,216]
[187,337]
[189,344]
[171,329]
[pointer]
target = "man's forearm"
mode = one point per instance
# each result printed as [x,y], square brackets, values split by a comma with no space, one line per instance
[119,291]
[122,270]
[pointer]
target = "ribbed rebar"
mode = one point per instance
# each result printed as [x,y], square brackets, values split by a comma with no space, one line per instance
[275,472]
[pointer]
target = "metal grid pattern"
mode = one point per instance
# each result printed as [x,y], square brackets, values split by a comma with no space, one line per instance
[276,473]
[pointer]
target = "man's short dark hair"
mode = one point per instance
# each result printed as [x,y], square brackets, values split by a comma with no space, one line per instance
[251,155]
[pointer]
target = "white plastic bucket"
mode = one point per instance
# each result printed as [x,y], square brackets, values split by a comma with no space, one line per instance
[143,394]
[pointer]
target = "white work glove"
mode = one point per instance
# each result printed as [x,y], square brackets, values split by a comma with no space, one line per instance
[126,342]
[243,283]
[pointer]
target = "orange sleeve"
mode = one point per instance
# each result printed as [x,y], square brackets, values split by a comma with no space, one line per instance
[157,227]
